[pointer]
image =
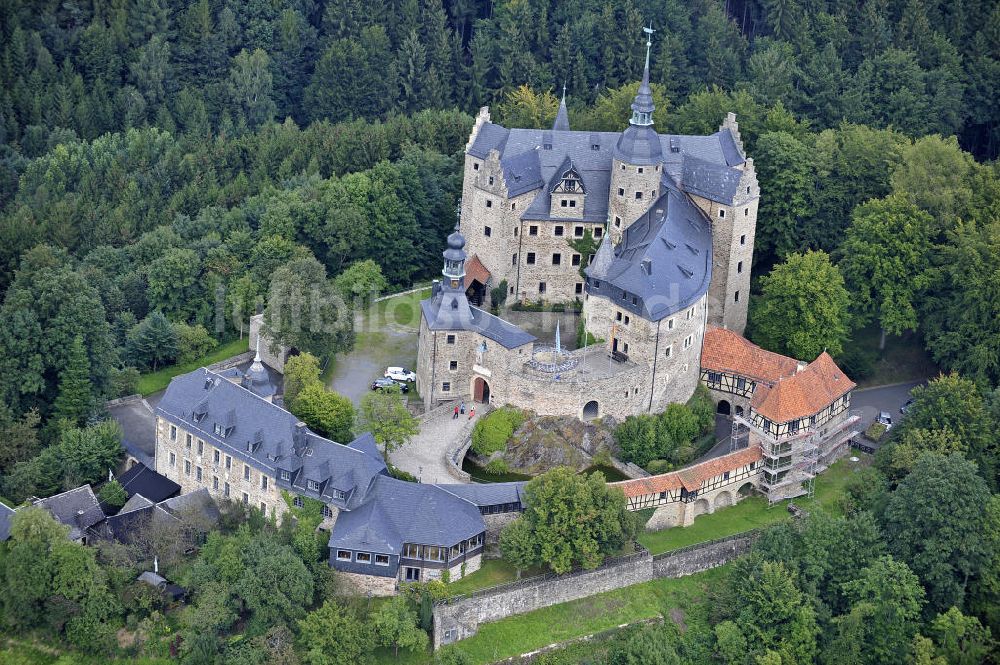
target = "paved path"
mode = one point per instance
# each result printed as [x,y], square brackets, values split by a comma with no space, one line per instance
[882,398]
[426,455]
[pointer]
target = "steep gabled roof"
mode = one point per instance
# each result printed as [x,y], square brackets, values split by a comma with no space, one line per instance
[805,394]
[730,353]
[6,515]
[475,271]
[140,479]
[77,508]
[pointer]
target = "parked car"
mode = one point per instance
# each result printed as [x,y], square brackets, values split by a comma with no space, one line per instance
[384,383]
[906,406]
[885,419]
[400,374]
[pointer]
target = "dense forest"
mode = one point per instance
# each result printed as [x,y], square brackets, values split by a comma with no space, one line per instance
[166,164]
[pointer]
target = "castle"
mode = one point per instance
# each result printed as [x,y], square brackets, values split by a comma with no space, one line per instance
[675,217]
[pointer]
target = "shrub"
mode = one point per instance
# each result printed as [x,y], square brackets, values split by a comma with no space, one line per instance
[858,361]
[193,342]
[875,431]
[659,466]
[124,382]
[492,432]
[497,467]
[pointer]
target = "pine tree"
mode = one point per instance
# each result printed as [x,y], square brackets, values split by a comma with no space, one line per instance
[75,400]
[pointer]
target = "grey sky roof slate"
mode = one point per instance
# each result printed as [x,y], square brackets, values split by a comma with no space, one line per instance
[77,508]
[522,152]
[280,435]
[664,259]
[710,180]
[438,314]
[488,494]
[140,479]
[561,123]
[730,149]
[404,512]
[6,515]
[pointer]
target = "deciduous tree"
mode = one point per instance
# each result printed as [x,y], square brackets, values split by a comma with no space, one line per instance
[803,308]
[384,414]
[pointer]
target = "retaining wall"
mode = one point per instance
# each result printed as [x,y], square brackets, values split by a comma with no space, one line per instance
[458,618]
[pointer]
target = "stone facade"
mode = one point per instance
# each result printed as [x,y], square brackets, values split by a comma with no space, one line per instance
[193,463]
[669,350]
[634,188]
[364,584]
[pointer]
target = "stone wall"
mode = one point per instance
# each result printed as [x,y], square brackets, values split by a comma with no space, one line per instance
[458,618]
[194,463]
[670,371]
[624,208]
[364,584]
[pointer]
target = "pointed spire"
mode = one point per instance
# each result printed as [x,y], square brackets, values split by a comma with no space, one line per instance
[256,357]
[643,107]
[562,117]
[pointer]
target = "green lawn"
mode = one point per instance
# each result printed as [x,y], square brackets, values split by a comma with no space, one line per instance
[400,310]
[904,358]
[686,596]
[492,573]
[152,382]
[527,632]
[21,653]
[753,512]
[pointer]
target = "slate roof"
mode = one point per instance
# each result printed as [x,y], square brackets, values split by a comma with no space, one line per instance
[562,116]
[403,512]
[664,260]
[488,494]
[269,438]
[138,511]
[140,479]
[450,310]
[6,515]
[805,394]
[529,158]
[730,353]
[77,508]
[692,477]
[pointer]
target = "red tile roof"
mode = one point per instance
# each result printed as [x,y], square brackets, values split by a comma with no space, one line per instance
[692,477]
[475,271]
[807,393]
[725,351]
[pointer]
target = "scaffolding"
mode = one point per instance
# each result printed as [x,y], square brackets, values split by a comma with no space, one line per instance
[790,464]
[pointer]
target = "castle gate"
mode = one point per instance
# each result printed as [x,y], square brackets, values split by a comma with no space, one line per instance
[481,390]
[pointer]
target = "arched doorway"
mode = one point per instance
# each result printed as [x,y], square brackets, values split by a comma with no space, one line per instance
[746,489]
[723,500]
[591,410]
[481,390]
[702,506]
[722,407]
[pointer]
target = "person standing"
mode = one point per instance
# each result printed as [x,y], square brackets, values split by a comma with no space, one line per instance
[456,412]
[472,413]
[461,408]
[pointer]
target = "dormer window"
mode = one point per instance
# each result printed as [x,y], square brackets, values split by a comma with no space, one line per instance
[220,430]
[312,485]
[285,475]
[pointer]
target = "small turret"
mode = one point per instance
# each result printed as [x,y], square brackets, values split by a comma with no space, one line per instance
[562,117]
[454,261]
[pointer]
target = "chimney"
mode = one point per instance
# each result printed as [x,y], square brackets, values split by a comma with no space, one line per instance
[79,518]
[156,564]
[647,267]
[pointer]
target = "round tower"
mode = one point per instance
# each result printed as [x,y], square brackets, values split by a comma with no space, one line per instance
[637,160]
[454,261]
